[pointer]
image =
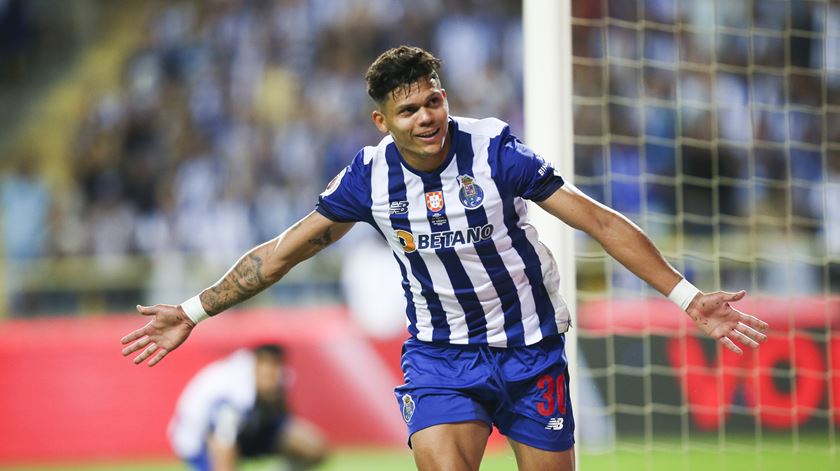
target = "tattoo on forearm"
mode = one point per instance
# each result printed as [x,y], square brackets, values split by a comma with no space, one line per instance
[244,280]
[323,241]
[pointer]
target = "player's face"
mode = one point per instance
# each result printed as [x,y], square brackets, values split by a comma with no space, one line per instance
[417,117]
[269,377]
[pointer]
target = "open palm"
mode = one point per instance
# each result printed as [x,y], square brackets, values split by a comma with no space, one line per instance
[168,329]
[718,319]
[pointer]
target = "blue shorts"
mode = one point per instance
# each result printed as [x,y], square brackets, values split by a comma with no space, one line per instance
[523,391]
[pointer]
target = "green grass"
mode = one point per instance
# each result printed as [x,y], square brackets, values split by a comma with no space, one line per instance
[706,453]
[703,455]
[342,460]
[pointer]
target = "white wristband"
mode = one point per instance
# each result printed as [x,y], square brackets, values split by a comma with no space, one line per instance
[683,294]
[194,310]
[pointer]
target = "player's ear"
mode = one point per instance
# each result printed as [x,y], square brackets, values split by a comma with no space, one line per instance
[379,121]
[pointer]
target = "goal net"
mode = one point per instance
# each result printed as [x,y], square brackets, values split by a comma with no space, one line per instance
[715,126]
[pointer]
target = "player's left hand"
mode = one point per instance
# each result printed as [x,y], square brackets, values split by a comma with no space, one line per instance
[718,319]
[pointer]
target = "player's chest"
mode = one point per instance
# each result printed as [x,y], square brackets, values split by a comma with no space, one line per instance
[452,202]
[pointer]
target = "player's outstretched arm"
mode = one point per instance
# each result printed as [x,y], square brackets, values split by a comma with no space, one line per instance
[626,242]
[255,271]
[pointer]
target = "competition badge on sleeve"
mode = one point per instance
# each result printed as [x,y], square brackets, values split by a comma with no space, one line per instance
[471,195]
[408,408]
[333,184]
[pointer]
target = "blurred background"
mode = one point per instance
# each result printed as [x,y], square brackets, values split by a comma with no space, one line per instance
[145,145]
[148,140]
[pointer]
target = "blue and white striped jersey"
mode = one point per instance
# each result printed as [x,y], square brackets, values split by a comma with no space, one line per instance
[473,269]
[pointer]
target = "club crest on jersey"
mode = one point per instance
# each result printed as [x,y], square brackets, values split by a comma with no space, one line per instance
[434,201]
[470,194]
[408,408]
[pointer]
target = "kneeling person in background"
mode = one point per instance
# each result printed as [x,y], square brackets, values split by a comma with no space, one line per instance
[235,408]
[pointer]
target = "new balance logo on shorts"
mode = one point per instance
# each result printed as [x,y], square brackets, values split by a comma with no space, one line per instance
[555,423]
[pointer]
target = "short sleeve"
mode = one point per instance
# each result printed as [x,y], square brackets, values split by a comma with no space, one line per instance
[347,196]
[525,172]
[225,421]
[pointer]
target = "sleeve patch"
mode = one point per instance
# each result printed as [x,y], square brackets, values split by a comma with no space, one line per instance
[334,183]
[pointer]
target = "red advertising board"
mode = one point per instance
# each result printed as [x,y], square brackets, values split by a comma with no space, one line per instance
[67,393]
[792,379]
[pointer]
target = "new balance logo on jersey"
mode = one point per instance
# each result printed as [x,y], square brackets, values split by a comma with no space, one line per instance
[442,240]
[398,207]
[555,423]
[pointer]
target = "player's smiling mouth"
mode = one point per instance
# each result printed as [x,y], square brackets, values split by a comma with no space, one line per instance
[428,134]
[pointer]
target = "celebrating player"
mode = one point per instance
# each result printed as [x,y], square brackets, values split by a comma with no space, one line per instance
[483,305]
[235,409]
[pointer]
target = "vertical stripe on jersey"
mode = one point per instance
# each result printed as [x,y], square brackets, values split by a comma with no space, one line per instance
[533,268]
[410,309]
[397,192]
[551,283]
[462,286]
[490,258]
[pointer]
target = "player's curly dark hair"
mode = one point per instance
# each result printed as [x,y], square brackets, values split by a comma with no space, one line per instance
[397,68]
[273,350]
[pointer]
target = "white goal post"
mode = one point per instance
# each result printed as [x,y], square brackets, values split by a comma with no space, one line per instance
[547,41]
[713,125]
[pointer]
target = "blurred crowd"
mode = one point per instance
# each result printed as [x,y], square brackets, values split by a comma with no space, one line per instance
[231,116]
[746,87]
[731,113]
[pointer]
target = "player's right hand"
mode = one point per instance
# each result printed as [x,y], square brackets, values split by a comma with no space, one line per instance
[168,329]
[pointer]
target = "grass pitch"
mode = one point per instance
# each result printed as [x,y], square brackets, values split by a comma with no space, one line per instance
[809,453]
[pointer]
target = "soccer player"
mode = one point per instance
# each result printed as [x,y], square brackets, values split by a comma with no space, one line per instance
[484,312]
[235,408]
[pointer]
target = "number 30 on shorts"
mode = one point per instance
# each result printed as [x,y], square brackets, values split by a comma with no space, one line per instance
[553,395]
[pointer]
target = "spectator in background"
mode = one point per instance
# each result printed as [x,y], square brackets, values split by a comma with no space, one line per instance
[25,201]
[18,37]
[236,408]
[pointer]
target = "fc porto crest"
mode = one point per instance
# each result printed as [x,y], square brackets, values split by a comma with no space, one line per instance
[470,194]
[408,408]
[434,201]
